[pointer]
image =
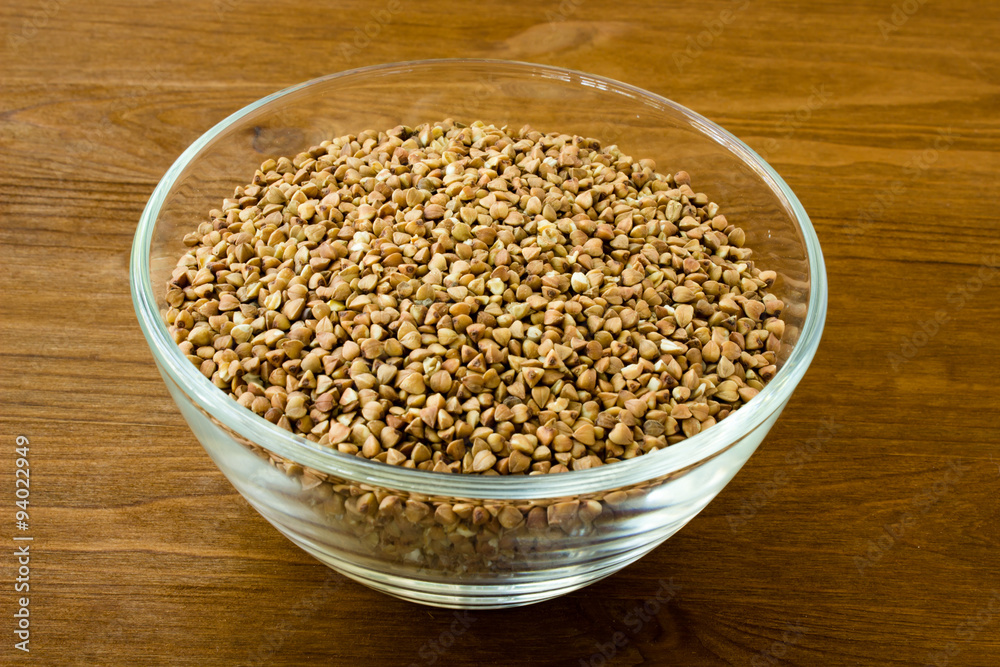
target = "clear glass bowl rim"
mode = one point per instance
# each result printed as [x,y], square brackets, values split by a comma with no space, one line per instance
[686,453]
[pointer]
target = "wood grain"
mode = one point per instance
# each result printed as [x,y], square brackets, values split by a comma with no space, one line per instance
[144,555]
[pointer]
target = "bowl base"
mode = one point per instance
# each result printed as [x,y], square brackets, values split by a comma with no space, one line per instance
[471,596]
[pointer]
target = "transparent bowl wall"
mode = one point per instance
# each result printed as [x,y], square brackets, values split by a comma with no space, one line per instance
[468,541]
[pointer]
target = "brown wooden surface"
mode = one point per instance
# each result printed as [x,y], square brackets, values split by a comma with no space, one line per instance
[143,553]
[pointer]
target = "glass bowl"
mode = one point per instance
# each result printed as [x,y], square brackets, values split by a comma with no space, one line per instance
[469,541]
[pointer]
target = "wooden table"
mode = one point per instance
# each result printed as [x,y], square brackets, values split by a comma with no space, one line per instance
[864,531]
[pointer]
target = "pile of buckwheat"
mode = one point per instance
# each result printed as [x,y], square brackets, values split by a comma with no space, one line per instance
[475,299]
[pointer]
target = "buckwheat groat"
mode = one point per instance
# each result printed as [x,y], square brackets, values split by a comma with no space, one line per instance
[475,299]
